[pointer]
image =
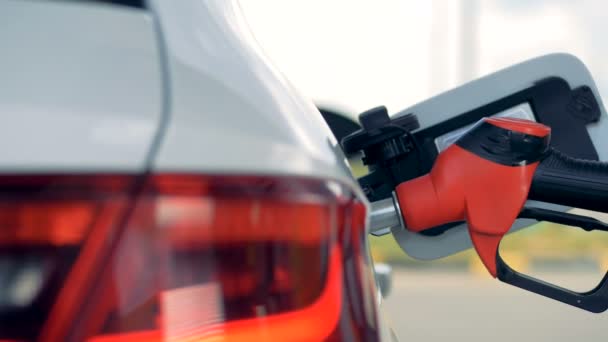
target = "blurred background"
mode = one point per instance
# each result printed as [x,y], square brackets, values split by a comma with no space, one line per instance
[350,56]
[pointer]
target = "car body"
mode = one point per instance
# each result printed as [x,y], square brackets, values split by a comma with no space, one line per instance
[169,112]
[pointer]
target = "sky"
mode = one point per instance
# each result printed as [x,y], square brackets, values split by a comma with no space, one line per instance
[353,55]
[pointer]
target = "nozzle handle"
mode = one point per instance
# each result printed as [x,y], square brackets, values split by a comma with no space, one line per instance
[595,301]
[579,183]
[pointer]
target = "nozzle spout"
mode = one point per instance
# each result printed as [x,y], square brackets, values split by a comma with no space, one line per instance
[384,215]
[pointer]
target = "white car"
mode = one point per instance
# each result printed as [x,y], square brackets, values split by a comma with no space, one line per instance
[161,181]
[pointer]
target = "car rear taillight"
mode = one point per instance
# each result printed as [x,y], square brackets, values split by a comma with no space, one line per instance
[183,258]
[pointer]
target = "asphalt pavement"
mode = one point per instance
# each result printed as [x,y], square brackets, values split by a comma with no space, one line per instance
[459,306]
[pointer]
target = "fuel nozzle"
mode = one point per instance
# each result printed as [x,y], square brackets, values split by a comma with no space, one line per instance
[485,178]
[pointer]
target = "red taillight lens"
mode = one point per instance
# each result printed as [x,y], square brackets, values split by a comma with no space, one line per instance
[52,229]
[202,258]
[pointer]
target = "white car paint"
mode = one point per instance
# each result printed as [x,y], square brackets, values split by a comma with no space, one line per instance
[231,111]
[79,87]
[83,85]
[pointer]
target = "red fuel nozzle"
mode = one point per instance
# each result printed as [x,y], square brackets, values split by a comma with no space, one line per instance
[484,178]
